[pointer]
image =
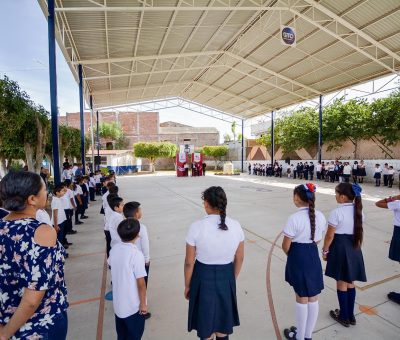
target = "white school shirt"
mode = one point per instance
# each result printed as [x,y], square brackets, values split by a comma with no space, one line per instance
[318,167]
[92,182]
[97,179]
[298,226]
[385,171]
[114,219]
[395,207]
[127,265]
[43,217]
[73,170]
[66,199]
[106,209]
[142,243]
[57,203]
[67,174]
[78,190]
[347,170]
[214,245]
[378,169]
[342,219]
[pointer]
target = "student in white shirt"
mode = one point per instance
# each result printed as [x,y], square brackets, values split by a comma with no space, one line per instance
[377,175]
[347,170]
[133,209]
[115,217]
[58,218]
[97,179]
[214,253]
[70,206]
[318,169]
[113,191]
[393,204]
[92,187]
[303,272]
[78,201]
[391,173]
[385,173]
[129,287]
[342,250]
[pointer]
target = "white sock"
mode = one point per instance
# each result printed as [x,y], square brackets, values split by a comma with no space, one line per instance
[313,309]
[301,320]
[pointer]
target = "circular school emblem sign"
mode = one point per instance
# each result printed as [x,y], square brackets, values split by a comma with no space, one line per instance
[288,35]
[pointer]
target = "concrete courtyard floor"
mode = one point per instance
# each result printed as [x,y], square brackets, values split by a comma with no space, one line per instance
[262,206]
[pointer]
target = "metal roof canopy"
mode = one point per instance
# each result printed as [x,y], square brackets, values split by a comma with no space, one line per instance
[226,54]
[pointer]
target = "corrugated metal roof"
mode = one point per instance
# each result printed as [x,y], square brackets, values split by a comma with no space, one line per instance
[226,54]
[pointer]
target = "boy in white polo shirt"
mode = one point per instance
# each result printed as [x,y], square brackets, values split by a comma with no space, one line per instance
[129,288]
[115,217]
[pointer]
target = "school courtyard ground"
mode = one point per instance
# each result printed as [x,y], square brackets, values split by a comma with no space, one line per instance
[266,301]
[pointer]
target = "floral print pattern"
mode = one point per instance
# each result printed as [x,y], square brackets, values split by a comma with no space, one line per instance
[25,264]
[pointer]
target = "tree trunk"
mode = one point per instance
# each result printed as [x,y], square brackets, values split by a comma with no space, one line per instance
[29,156]
[40,145]
[216,164]
[355,148]
[3,167]
[152,165]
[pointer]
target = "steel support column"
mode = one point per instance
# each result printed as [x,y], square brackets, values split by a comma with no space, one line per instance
[91,132]
[83,156]
[98,139]
[242,145]
[272,139]
[53,91]
[320,130]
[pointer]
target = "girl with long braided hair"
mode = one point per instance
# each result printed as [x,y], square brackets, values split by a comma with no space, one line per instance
[342,250]
[303,272]
[214,257]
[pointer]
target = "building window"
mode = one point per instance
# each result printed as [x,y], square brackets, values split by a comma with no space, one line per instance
[187,140]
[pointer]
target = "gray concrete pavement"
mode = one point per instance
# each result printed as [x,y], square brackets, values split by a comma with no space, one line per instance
[262,206]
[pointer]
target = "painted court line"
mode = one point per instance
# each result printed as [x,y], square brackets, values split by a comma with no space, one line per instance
[100,318]
[81,302]
[269,291]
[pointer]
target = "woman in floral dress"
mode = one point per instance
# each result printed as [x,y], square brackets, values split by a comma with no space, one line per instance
[33,295]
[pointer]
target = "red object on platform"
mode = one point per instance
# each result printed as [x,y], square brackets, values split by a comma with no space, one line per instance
[181,160]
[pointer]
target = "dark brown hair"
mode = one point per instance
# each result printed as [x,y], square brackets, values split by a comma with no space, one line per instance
[307,197]
[346,189]
[216,198]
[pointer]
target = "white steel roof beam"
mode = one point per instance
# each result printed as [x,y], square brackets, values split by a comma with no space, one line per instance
[165,37]
[106,76]
[354,29]
[169,9]
[333,44]
[356,46]
[138,87]
[192,33]
[141,58]
[215,34]
[135,48]
[107,44]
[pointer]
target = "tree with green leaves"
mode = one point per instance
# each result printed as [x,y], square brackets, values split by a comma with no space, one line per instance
[386,119]
[24,126]
[154,150]
[233,129]
[216,152]
[347,120]
[240,137]
[227,138]
[114,132]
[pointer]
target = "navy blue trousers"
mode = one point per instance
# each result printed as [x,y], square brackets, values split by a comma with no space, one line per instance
[130,328]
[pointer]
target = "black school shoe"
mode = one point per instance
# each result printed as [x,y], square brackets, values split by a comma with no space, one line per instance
[335,316]
[395,297]
[71,232]
[290,333]
[147,316]
[78,222]
[84,217]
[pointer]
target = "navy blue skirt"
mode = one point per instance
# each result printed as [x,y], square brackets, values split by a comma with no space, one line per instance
[394,251]
[345,263]
[212,300]
[377,175]
[303,269]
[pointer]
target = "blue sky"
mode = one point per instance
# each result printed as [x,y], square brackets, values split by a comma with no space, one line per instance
[24,58]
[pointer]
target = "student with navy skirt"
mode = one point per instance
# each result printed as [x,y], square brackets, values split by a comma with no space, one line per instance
[342,250]
[214,257]
[393,203]
[302,232]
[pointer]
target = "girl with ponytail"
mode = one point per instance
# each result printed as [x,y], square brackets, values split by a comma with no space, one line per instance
[214,257]
[303,272]
[342,250]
